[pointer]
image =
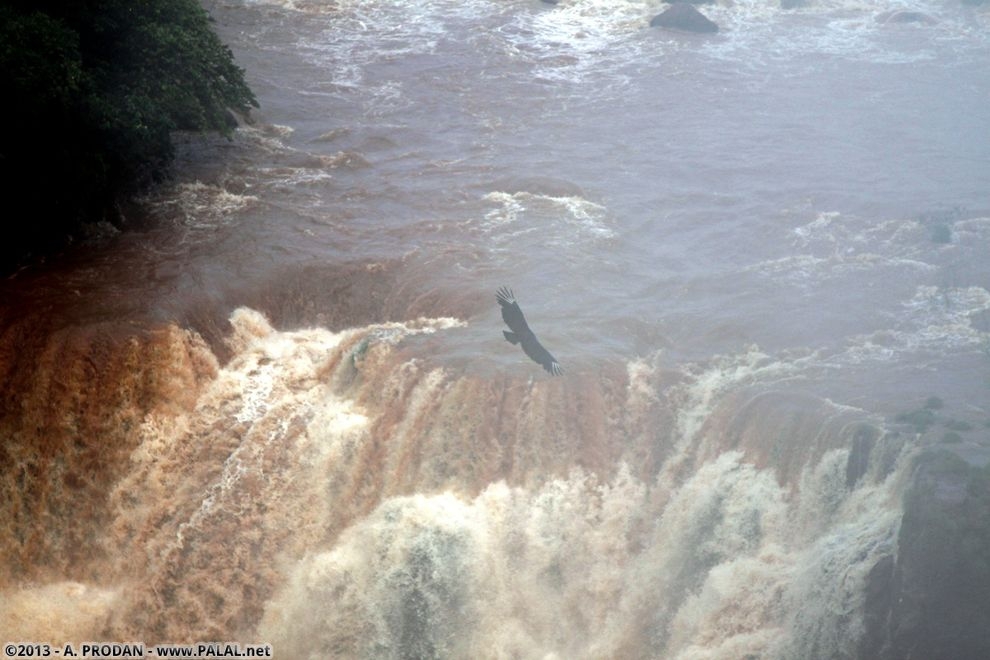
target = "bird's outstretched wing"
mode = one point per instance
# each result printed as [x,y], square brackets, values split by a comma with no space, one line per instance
[521,334]
[534,349]
[511,313]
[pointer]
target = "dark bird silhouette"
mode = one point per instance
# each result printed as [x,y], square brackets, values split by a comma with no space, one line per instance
[521,334]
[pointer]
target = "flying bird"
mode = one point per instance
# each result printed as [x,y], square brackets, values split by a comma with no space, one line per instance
[521,334]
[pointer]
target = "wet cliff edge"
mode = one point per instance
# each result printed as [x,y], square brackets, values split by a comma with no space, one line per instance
[928,599]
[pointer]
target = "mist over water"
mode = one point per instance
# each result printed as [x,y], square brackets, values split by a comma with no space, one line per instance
[281,409]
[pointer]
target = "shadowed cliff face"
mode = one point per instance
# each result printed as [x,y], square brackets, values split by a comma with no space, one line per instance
[929,599]
[355,494]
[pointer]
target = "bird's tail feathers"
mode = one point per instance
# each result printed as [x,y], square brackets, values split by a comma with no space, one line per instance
[511,337]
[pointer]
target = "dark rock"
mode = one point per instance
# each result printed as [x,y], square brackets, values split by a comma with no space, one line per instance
[863,441]
[549,2]
[879,600]
[921,419]
[905,17]
[684,17]
[929,598]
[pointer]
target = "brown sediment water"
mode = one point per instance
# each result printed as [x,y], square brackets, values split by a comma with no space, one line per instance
[342,481]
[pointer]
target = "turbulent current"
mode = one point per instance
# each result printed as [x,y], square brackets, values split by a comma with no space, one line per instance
[279,409]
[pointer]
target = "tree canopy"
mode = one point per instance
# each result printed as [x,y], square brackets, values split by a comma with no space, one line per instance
[94,90]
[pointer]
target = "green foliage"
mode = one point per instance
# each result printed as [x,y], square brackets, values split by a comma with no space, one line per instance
[94,89]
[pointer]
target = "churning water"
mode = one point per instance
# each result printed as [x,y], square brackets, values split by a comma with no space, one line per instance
[284,412]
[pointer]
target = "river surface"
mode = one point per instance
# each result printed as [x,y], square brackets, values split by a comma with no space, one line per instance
[280,409]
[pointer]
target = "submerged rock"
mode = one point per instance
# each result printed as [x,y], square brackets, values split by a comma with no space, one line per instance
[682,16]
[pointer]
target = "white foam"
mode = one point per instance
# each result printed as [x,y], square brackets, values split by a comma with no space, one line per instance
[938,320]
[271,386]
[582,37]
[559,221]
[200,205]
[941,318]
[835,245]
[578,568]
[758,31]
[55,613]
[711,380]
[817,228]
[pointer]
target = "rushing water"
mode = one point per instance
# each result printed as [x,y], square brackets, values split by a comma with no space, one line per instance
[283,411]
